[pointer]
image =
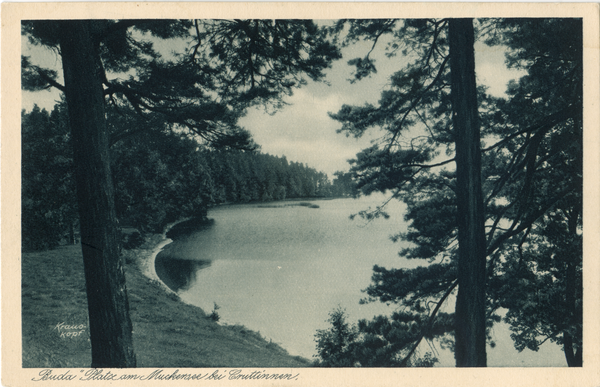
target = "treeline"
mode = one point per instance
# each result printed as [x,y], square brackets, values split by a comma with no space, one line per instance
[160,175]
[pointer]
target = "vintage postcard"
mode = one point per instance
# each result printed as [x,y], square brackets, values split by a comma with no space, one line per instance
[300,194]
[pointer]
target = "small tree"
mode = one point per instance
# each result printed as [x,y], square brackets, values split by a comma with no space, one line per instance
[382,342]
[335,346]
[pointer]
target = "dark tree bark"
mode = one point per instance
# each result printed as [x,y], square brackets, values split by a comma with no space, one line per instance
[110,324]
[470,335]
[573,352]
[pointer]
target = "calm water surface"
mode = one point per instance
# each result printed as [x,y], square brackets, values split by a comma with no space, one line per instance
[280,271]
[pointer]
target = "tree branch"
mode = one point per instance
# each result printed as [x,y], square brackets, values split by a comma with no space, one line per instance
[429,322]
[416,101]
[525,223]
[545,124]
[45,77]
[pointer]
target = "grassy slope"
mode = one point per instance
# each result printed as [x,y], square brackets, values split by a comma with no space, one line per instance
[166,331]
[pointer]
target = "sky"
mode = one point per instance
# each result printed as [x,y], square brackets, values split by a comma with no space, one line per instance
[303,131]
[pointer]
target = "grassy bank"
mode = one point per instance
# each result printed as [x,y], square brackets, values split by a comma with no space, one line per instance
[166,331]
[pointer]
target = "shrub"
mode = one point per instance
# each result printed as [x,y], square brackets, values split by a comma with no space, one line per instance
[215,315]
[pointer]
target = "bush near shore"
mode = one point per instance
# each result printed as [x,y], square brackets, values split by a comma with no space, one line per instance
[166,331]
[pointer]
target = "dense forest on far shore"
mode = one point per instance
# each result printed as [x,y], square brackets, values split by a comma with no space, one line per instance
[160,175]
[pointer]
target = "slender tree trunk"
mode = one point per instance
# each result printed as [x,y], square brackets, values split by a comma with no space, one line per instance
[470,304]
[110,324]
[572,347]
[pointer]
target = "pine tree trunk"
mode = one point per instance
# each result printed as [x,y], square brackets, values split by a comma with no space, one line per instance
[470,335]
[110,324]
[572,347]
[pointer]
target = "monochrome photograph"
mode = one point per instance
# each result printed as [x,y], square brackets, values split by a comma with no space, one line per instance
[300,194]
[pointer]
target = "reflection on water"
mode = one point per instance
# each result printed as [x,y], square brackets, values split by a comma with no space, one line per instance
[176,265]
[177,274]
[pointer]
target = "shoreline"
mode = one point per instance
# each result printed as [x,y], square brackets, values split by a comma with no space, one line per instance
[147,262]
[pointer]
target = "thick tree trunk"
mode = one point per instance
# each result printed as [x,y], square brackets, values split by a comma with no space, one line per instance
[110,324]
[574,356]
[470,304]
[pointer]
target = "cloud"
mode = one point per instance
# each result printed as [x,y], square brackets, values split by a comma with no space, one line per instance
[304,132]
[491,70]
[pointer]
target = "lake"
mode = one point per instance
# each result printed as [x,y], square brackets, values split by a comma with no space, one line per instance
[281,268]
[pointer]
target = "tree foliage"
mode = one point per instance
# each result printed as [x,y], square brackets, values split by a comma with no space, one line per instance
[226,66]
[49,208]
[545,209]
